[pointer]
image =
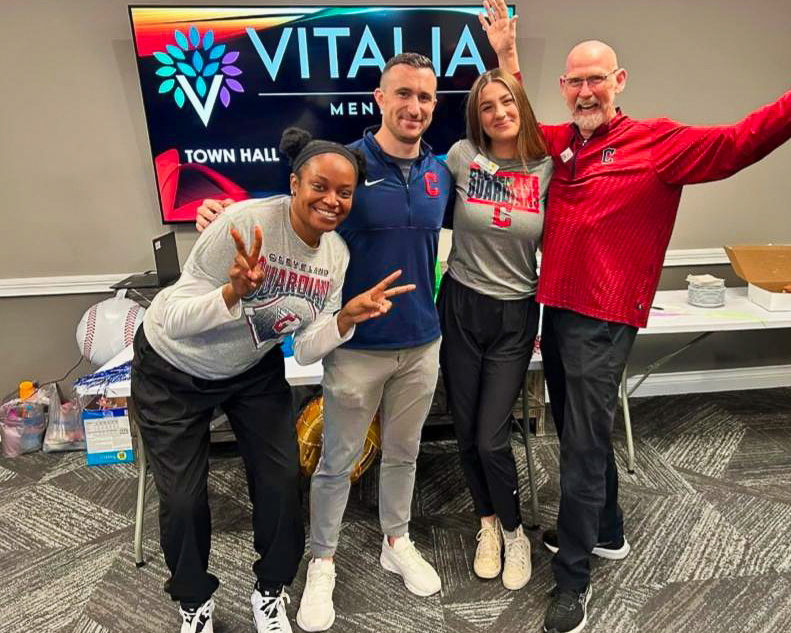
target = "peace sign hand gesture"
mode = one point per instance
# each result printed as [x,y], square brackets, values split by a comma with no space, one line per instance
[372,303]
[245,274]
[500,29]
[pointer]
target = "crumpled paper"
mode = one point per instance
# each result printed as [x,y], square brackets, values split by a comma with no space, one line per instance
[705,280]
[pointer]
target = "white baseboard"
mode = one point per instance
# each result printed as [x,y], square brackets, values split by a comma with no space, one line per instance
[714,380]
[67,285]
[695,257]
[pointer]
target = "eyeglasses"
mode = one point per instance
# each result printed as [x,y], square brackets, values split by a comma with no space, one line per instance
[593,81]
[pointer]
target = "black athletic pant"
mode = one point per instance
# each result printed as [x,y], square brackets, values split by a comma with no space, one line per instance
[486,348]
[173,412]
[583,359]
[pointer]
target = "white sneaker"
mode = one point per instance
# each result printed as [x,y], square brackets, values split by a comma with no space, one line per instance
[198,620]
[316,612]
[516,570]
[488,554]
[269,612]
[404,559]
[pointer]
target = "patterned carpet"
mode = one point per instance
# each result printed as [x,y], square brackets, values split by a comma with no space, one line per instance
[708,515]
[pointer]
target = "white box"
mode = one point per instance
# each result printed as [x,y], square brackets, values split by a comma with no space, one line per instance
[774,301]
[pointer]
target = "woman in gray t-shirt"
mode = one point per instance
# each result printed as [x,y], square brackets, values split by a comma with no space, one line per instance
[212,340]
[487,305]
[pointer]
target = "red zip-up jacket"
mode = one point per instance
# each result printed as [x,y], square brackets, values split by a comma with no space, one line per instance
[613,201]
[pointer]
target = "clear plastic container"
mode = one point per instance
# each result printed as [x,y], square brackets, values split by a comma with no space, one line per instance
[706,295]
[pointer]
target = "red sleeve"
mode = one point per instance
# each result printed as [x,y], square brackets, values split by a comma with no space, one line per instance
[684,155]
[556,136]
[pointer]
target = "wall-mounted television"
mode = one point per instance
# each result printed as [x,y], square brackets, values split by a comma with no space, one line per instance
[219,85]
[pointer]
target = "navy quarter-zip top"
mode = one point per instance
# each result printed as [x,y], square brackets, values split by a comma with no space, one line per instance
[395,224]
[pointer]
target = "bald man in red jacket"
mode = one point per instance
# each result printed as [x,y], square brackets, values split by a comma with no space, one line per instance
[612,205]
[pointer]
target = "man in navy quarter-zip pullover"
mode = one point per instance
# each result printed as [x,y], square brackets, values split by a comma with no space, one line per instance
[395,223]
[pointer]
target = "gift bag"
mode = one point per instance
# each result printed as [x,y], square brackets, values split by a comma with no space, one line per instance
[22,425]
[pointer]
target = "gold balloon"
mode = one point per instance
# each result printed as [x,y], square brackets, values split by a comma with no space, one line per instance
[310,425]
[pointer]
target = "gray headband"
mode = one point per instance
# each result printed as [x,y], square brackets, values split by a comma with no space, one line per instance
[314,148]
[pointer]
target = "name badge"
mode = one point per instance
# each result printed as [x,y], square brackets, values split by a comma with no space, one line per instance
[567,155]
[488,166]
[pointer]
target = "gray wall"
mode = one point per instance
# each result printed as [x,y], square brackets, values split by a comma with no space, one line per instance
[77,181]
[38,340]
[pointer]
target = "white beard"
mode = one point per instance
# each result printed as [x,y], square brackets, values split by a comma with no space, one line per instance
[588,122]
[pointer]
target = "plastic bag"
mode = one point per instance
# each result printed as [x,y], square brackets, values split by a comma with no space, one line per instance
[64,430]
[22,425]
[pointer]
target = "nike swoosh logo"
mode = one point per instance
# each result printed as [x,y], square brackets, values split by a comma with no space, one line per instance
[371,183]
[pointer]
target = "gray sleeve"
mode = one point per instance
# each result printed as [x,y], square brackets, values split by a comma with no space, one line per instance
[193,307]
[453,159]
[322,336]
[214,252]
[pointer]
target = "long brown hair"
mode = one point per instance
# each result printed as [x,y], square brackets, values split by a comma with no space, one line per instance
[530,143]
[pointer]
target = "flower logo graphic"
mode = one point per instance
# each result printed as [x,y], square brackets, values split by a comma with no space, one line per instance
[198,72]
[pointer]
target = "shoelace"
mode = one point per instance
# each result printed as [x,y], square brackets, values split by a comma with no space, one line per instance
[320,579]
[270,610]
[410,554]
[487,537]
[516,551]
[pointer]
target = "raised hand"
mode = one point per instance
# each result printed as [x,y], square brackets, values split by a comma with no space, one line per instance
[209,210]
[500,29]
[372,303]
[245,274]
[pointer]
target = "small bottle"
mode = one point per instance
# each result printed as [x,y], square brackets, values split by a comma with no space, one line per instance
[26,389]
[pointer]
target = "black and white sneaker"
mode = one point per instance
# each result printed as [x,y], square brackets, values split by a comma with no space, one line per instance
[614,550]
[269,611]
[568,611]
[198,619]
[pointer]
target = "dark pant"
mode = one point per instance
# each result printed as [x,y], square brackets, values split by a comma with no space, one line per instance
[583,359]
[173,412]
[486,348]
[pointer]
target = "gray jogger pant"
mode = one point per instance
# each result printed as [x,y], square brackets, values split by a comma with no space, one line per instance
[355,382]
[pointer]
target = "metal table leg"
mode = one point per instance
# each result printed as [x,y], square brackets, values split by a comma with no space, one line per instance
[141,499]
[627,420]
[625,392]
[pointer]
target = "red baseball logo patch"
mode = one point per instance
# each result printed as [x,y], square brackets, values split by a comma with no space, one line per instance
[501,216]
[431,179]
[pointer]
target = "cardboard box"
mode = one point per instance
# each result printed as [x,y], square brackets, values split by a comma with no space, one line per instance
[767,269]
